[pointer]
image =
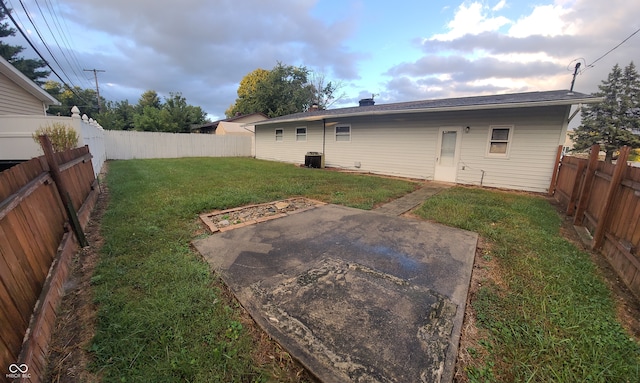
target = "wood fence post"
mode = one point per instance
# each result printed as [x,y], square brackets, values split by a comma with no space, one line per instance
[54,169]
[556,168]
[575,190]
[616,179]
[585,191]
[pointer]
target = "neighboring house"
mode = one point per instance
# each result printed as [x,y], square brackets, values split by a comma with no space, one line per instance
[20,95]
[211,127]
[506,141]
[226,128]
[23,109]
[20,100]
[234,129]
[568,143]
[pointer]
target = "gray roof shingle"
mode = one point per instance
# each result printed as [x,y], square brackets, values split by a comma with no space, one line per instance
[498,101]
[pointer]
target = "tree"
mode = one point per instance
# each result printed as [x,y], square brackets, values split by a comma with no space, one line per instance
[175,115]
[614,122]
[182,115]
[29,67]
[154,120]
[117,115]
[326,93]
[248,87]
[283,90]
[149,98]
[84,99]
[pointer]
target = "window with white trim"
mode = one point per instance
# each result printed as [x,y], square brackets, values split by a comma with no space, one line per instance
[499,141]
[301,134]
[279,134]
[343,133]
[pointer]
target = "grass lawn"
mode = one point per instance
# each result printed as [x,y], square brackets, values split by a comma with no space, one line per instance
[545,315]
[162,315]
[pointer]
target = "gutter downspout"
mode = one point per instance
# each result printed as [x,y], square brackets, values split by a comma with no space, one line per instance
[324,135]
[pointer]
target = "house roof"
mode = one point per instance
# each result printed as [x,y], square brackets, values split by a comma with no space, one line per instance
[24,82]
[244,116]
[230,119]
[498,101]
[235,128]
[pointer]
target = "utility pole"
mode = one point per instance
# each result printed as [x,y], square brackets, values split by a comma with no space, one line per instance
[95,75]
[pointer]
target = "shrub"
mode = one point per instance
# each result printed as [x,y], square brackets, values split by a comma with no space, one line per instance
[63,137]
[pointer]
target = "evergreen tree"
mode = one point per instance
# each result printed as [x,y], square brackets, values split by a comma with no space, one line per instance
[614,122]
[117,115]
[32,68]
[149,98]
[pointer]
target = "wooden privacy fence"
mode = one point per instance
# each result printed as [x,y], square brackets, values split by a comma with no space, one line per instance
[604,200]
[37,243]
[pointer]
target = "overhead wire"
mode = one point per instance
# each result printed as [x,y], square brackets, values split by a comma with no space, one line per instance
[56,17]
[56,41]
[55,21]
[65,36]
[35,27]
[614,48]
[24,35]
[70,55]
[589,66]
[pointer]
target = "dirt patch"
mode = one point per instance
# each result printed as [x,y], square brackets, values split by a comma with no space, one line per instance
[470,352]
[68,359]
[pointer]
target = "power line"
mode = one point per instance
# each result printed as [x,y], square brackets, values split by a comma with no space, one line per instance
[8,13]
[44,43]
[56,18]
[614,48]
[56,40]
[70,57]
[589,66]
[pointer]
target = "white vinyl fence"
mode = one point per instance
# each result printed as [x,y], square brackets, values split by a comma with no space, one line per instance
[93,136]
[17,144]
[126,145]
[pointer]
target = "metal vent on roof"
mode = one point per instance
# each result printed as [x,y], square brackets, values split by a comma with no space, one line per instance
[367,102]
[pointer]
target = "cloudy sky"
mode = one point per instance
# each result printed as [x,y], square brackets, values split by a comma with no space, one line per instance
[397,50]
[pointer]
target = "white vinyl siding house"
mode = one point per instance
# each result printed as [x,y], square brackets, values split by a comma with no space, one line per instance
[23,108]
[301,133]
[508,146]
[15,100]
[19,95]
[343,133]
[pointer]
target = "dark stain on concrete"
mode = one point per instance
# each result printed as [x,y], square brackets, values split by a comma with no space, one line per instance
[354,295]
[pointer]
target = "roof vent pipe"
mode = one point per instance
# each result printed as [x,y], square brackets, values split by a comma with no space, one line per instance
[575,73]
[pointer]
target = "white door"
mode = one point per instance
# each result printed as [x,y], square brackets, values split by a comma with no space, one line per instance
[447,154]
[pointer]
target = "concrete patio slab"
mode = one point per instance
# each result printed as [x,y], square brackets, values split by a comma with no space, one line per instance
[353,295]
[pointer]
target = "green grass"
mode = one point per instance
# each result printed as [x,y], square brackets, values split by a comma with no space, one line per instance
[161,315]
[552,318]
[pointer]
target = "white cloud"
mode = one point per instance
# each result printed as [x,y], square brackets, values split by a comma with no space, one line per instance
[471,20]
[203,48]
[499,6]
[545,20]
[483,51]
